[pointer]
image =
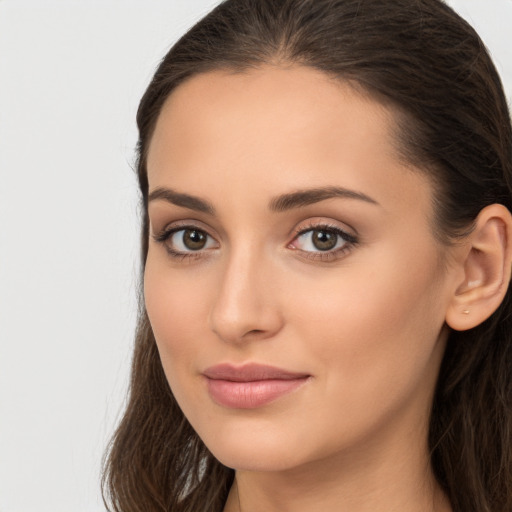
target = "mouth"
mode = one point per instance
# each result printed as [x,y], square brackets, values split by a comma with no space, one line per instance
[251,385]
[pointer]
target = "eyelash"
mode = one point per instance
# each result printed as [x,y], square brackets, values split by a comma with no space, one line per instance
[167,233]
[324,256]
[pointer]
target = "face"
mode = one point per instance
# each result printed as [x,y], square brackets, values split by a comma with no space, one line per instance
[294,286]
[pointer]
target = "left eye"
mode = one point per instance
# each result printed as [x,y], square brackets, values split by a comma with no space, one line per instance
[321,240]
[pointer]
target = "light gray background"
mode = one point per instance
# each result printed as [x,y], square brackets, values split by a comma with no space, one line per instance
[71,75]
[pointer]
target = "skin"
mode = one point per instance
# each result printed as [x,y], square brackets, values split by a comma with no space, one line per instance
[367,324]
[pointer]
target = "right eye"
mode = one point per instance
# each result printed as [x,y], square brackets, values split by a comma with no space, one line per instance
[184,241]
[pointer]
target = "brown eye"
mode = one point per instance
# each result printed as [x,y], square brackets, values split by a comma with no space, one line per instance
[324,240]
[187,240]
[194,239]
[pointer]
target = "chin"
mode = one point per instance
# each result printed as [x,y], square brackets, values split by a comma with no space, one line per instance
[255,459]
[263,449]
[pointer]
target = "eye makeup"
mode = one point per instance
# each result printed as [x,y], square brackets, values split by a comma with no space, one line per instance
[185,241]
[317,241]
[322,242]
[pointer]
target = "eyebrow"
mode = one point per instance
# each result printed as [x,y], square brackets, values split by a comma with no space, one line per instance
[180,199]
[277,204]
[315,195]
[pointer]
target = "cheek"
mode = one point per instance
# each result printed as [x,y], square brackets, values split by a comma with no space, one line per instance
[177,311]
[177,315]
[376,330]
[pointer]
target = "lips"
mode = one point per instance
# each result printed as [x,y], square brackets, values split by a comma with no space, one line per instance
[250,386]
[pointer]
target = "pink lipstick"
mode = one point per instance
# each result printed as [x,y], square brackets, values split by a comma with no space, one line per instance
[250,386]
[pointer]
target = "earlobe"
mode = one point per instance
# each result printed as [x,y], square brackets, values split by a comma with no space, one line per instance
[486,270]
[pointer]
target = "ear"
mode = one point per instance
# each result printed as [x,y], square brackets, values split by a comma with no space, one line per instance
[486,270]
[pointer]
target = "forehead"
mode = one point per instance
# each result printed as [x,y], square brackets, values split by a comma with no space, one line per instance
[251,106]
[273,128]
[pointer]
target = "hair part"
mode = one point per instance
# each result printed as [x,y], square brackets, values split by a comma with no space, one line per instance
[452,122]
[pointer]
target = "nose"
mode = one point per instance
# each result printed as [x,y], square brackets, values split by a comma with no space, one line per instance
[245,307]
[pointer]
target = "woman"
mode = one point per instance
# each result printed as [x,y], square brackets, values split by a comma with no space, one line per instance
[327,251]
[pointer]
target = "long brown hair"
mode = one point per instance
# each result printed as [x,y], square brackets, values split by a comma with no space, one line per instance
[453,122]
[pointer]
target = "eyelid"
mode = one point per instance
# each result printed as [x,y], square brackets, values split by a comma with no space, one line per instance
[165,234]
[182,224]
[350,240]
[328,224]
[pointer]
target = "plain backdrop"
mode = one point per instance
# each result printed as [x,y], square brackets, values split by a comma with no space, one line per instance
[71,75]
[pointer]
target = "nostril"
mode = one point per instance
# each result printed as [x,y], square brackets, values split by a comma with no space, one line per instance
[254,331]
